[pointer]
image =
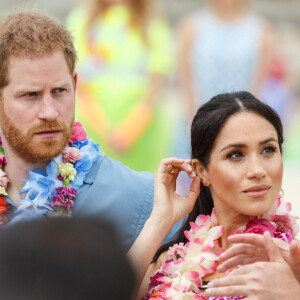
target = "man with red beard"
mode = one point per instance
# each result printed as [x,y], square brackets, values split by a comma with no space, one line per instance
[64,172]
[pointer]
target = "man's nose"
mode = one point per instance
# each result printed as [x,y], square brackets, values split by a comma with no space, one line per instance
[256,168]
[48,111]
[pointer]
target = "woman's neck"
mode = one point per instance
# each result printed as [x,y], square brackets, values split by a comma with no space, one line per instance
[231,222]
[228,11]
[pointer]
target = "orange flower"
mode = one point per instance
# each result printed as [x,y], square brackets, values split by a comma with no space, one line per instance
[4,206]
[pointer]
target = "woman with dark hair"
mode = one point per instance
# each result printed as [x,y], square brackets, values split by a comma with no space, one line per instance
[236,145]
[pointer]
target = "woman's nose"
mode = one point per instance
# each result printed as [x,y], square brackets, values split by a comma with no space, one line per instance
[256,168]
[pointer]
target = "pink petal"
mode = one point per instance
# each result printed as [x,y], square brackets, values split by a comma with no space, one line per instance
[214,217]
[208,244]
[215,232]
[288,206]
[194,226]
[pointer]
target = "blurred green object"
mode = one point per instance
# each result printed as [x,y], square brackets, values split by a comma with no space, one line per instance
[117,61]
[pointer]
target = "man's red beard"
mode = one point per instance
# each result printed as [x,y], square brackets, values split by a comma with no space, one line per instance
[24,144]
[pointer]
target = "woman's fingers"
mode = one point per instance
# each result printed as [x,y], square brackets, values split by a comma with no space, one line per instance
[247,238]
[194,189]
[227,286]
[236,261]
[172,166]
[241,254]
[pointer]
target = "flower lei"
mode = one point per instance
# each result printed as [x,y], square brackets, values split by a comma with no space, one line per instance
[181,275]
[53,192]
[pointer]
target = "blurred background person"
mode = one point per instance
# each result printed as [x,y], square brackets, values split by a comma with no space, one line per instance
[124,54]
[222,48]
[64,258]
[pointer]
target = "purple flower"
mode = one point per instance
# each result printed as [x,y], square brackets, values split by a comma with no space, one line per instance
[2,161]
[66,192]
[65,197]
[59,177]
[62,201]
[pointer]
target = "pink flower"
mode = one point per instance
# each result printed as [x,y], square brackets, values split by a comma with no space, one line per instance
[177,251]
[65,197]
[71,154]
[286,237]
[0,140]
[283,223]
[62,201]
[259,226]
[3,179]
[78,133]
[2,161]
[66,192]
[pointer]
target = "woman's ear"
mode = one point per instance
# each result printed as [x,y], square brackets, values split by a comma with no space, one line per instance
[200,171]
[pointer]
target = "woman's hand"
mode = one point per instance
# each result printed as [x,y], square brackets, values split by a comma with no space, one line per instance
[250,248]
[272,280]
[170,206]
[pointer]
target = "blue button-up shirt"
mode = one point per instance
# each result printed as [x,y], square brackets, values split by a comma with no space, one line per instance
[111,191]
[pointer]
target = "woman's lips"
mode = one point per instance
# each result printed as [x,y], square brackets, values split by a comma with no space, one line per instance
[257,191]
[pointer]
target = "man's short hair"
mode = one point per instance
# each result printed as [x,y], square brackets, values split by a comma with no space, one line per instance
[32,34]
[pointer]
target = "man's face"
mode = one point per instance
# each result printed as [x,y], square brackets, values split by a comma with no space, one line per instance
[37,107]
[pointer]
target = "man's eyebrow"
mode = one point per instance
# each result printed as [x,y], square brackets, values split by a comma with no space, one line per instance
[244,145]
[62,84]
[24,91]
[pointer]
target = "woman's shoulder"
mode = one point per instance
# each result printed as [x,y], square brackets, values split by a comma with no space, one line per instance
[150,273]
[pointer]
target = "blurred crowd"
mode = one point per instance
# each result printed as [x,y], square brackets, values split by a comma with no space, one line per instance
[141,79]
[128,57]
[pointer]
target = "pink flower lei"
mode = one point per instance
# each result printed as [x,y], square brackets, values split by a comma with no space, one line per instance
[60,198]
[181,275]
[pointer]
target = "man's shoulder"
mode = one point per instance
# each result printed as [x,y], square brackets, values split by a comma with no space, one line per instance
[107,173]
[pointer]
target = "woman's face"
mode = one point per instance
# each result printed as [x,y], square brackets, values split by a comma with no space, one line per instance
[245,168]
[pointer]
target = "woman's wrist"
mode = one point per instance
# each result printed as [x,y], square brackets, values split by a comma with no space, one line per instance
[161,224]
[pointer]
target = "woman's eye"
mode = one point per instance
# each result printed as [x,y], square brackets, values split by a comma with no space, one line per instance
[269,150]
[235,155]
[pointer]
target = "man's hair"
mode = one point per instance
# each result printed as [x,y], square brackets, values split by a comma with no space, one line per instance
[32,34]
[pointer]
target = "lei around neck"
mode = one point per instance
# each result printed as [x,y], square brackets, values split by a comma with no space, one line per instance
[181,275]
[53,192]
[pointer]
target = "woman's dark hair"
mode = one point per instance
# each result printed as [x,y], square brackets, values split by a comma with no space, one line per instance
[206,126]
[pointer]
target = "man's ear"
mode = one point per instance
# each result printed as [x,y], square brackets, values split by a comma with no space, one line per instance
[75,77]
[201,171]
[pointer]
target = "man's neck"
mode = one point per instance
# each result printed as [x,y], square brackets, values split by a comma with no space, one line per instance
[17,170]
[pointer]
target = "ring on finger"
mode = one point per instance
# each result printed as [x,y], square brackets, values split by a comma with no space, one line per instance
[172,171]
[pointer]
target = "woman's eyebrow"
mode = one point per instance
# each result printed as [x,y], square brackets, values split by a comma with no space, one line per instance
[234,146]
[244,145]
[267,141]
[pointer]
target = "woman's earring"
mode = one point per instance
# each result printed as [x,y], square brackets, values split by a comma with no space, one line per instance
[281,194]
[205,183]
